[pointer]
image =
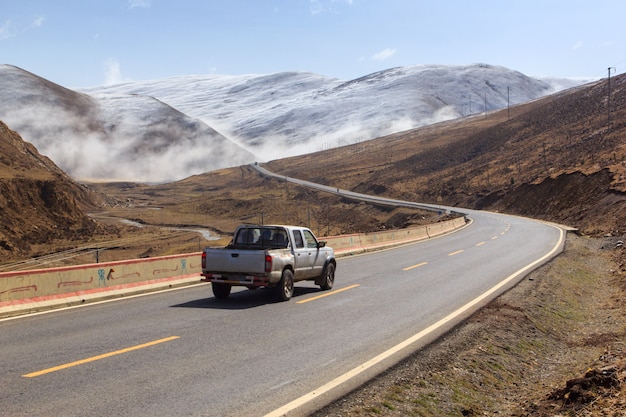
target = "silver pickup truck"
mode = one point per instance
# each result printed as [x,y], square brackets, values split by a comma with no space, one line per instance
[269,256]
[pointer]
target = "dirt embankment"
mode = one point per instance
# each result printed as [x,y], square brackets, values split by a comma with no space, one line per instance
[40,205]
[587,201]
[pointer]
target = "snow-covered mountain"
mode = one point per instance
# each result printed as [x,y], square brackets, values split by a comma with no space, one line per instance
[166,129]
[288,113]
[117,137]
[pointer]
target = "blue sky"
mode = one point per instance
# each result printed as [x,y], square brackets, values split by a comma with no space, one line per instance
[81,43]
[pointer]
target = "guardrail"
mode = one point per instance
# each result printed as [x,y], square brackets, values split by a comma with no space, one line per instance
[27,291]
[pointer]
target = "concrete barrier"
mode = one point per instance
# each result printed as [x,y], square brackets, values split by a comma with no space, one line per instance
[363,242]
[37,289]
[26,291]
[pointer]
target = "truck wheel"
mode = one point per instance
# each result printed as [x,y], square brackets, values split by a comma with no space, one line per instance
[328,277]
[221,290]
[284,288]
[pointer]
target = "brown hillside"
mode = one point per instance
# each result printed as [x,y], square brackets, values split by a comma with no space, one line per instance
[554,159]
[40,205]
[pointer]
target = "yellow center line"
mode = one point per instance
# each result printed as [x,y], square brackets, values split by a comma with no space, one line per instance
[408,268]
[494,238]
[326,294]
[480,244]
[95,358]
[456,253]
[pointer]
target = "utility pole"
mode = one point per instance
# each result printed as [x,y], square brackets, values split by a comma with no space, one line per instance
[308,210]
[508,103]
[608,102]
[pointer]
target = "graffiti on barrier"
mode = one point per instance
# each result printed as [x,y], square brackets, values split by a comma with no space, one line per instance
[160,271]
[131,275]
[101,278]
[20,289]
[72,283]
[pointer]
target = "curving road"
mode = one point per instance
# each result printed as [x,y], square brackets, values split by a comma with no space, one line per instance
[182,352]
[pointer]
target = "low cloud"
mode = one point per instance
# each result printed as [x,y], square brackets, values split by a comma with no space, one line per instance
[117,140]
[112,72]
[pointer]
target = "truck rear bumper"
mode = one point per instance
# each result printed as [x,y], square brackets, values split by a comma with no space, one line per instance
[243,280]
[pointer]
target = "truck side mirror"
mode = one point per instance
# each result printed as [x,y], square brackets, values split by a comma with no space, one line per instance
[321,244]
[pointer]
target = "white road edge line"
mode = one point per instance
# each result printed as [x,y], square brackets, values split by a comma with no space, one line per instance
[93,303]
[402,345]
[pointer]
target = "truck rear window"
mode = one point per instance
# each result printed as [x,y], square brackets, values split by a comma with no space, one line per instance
[261,237]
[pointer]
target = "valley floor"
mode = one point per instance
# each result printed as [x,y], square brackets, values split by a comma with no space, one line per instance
[555,345]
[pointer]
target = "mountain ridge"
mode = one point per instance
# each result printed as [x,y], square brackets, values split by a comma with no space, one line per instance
[299,112]
[168,129]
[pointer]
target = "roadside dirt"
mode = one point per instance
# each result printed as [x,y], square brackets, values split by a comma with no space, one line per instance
[554,345]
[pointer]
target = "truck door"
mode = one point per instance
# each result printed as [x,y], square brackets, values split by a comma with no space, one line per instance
[317,259]
[302,256]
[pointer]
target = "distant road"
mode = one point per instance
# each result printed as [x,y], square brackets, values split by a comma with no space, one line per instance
[184,352]
[351,194]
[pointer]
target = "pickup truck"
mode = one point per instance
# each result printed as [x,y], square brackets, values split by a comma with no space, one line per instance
[271,256]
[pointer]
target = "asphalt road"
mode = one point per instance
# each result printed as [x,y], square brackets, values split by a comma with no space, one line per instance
[183,352]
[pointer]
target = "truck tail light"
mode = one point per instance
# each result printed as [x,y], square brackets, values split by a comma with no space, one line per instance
[268,263]
[203,260]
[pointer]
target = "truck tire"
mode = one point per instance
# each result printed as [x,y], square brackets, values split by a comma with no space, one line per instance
[328,277]
[221,290]
[284,288]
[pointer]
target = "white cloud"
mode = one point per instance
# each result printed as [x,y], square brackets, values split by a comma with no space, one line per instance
[144,4]
[384,54]
[10,30]
[316,7]
[577,45]
[37,23]
[327,6]
[7,30]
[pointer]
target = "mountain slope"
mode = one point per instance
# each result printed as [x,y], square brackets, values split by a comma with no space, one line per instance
[38,202]
[291,113]
[112,137]
[554,158]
